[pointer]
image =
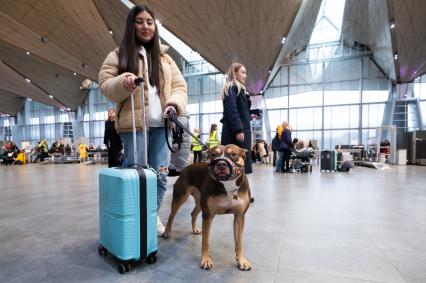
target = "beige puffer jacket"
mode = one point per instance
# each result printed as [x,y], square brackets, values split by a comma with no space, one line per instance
[173,89]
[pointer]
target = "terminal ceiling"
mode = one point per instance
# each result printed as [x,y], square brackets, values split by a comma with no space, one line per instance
[67,37]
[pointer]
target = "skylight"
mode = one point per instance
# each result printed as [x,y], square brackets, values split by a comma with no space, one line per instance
[327,29]
[329,22]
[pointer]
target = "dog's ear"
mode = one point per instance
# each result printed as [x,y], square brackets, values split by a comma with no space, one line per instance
[212,152]
[215,150]
[218,147]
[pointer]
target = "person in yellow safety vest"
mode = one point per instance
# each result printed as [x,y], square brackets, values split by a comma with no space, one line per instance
[83,152]
[196,146]
[213,136]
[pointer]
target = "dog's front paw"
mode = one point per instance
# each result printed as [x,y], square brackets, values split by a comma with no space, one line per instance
[243,264]
[206,262]
[196,230]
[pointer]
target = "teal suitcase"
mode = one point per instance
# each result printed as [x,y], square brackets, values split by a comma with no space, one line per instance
[128,215]
[128,211]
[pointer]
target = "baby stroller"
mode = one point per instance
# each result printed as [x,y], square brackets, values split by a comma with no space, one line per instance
[300,160]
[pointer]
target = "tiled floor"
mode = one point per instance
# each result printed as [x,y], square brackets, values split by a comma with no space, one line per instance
[362,226]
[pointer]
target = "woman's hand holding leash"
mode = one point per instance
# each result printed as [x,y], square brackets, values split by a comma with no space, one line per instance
[170,111]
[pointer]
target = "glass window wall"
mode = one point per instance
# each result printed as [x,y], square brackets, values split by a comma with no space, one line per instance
[350,92]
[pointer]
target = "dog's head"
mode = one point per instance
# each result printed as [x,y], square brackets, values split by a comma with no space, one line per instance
[226,163]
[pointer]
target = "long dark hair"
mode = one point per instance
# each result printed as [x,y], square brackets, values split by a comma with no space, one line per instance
[128,55]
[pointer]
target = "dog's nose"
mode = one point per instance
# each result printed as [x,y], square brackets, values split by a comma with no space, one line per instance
[221,165]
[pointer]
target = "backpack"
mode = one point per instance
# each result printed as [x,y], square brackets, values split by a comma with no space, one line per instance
[177,136]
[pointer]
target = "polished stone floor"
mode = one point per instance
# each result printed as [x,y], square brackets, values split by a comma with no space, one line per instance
[364,226]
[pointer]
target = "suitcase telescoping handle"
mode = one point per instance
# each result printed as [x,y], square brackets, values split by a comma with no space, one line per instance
[139,82]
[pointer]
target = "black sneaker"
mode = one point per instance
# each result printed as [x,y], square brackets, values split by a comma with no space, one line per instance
[173,173]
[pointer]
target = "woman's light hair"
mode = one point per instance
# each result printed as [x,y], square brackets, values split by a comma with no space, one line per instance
[231,77]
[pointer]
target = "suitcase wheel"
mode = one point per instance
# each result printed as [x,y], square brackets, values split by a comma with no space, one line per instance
[151,259]
[124,267]
[102,251]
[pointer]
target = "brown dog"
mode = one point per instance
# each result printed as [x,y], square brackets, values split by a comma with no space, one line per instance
[218,187]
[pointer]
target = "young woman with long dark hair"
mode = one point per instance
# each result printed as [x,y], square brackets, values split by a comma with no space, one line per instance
[141,55]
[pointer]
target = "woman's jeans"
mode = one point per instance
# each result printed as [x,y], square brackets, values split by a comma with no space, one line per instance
[280,162]
[283,162]
[158,155]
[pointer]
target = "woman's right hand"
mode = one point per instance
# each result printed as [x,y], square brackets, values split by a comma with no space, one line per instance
[240,137]
[129,82]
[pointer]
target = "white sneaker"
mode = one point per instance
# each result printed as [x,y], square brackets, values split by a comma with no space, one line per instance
[160,227]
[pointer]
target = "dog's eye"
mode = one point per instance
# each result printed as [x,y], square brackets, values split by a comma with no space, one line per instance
[233,154]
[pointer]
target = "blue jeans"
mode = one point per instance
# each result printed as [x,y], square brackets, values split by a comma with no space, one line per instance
[158,155]
[280,162]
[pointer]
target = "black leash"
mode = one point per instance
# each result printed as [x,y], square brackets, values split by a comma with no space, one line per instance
[172,117]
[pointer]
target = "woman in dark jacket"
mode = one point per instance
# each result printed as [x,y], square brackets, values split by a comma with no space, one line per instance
[236,112]
[286,146]
[112,141]
[275,148]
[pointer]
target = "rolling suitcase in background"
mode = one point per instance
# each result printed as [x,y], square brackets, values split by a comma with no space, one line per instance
[328,160]
[128,209]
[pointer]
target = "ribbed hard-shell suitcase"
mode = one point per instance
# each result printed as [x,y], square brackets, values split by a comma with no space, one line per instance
[128,210]
[128,215]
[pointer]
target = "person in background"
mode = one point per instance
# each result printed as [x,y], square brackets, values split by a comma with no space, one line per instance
[286,145]
[42,151]
[141,55]
[236,112]
[295,142]
[9,153]
[54,147]
[197,148]
[213,136]
[299,145]
[180,158]
[275,147]
[82,149]
[61,148]
[36,151]
[385,149]
[112,140]
[68,149]
[263,152]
